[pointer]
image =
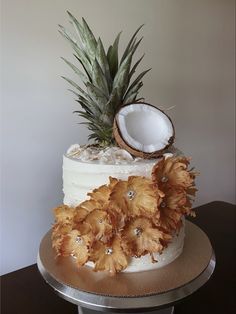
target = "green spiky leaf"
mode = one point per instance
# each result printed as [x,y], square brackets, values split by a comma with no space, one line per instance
[132,94]
[97,95]
[137,80]
[131,42]
[112,56]
[83,77]
[99,79]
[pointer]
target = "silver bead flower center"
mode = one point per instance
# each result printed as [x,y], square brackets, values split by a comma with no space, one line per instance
[130,194]
[164,179]
[109,251]
[79,240]
[138,232]
[163,204]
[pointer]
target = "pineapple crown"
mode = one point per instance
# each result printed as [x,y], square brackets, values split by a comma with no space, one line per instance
[107,79]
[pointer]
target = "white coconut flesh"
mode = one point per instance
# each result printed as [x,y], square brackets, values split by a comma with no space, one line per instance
[144,127]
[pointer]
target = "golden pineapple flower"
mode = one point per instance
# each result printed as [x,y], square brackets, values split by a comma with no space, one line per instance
[187,208]
[100,224]
[64,214]
[109,257]
[84,208]
[135,197]
[172,171]
[59,231]
[76,245]
[169,219]
[140,237]
[102,194]
[171,209]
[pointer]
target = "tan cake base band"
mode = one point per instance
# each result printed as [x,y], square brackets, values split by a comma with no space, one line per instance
[189,265]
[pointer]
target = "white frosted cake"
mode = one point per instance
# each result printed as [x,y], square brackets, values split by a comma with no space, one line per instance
[85,169]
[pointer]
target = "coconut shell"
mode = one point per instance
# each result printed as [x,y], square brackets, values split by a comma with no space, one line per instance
[138,153]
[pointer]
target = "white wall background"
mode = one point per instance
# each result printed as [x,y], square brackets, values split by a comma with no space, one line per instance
[190,46]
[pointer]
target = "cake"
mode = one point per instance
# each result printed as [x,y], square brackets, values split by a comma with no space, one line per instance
[127,193]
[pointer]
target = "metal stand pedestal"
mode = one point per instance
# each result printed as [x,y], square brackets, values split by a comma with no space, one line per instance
[169,310]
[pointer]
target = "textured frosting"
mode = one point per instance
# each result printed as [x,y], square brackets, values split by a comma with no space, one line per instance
[80,177]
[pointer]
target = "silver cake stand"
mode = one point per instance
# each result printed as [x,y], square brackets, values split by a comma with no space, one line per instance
[154,290]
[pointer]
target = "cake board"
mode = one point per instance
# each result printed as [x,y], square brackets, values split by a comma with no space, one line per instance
[154,290]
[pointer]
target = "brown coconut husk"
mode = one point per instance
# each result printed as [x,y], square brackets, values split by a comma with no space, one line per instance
[137,153]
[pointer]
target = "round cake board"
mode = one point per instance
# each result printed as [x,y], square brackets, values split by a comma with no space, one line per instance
[130,292]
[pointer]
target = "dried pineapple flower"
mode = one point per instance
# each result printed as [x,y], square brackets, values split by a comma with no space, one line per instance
[84,208]
[172,171]
[64,214]
[109,257]
[59,231]
[169,219]
[117,219]
[135,197]
[102,194]
[187,208]
[76,245]
[173,206]
[100,225]
[140,237]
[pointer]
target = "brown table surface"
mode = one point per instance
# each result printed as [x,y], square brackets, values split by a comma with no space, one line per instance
[24,291]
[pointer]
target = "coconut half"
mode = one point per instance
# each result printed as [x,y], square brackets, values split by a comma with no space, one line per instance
[143,130]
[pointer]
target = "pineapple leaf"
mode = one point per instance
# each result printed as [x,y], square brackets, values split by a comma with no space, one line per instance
[76,86]
[89,102]
[87,38]
[103,62]
[137,80]
[135,46]
[132,94]
[91,42]
[85,107]
[78,28]
[127,50]
[134,67]
[121,79]
[67,35]
[96,95]
[79,52]
[83,77]
[112,56]
[93,101]
[113,104]
[85,70]
[98,78]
